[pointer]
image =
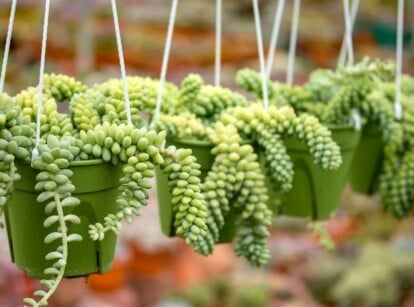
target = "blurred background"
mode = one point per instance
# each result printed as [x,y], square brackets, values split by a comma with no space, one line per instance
[373,262]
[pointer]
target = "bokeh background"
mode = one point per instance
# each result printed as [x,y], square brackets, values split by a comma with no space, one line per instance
[373,262]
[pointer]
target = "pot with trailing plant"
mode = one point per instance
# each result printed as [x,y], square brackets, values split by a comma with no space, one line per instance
[383,157]
[359,87]
[234,184]
[383,160]
[68,180]
[315,192]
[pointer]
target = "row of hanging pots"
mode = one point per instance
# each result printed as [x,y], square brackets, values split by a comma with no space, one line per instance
[64,214]
[334,98]
[363,94]
[315,193]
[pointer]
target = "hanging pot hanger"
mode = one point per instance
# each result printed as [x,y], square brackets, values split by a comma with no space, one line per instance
[7,45]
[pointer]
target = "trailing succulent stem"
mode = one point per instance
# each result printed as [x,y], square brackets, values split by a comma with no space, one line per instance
[320,230]
[190,212]
[55,188]
[141,150]
[255,121]
[15,141]
[235,185]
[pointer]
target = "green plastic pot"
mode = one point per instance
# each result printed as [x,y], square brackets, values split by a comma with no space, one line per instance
[202,151]
[367,161]
[96,185]
[316,193]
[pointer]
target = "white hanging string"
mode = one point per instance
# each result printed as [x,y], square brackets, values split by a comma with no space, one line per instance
[292,43]
[356,118]
[121,62]
[219,14]
[35,153]
[398,64]
[261,53]
[274,37]
[7,46]
[344,46]
[348,32]
[165,60]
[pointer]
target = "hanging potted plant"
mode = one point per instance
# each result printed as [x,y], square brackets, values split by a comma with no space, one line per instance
[358,87]
[383,156]
[315,192]
[64,206]
[234,184]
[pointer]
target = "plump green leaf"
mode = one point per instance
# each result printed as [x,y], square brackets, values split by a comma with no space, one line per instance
[52,237]
[45,196]
[53,255]
[66,188]
[70,201]
[40,293]
[51,271]
[49,221]
[72,218]
[49,283]
[50,207]
[74,237]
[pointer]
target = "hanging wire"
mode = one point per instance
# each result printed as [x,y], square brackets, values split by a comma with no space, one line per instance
[121,62]
[261,53]
[165,60]
[292,43]
[35,153]
[274,37]
[219,21]
[344,46]
[348,32]
[398,64]
[7,46]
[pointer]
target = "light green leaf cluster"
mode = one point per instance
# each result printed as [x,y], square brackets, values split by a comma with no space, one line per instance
[256,121]
[142,94]
[205,101]
[236,185]
[15,142]
[183,126]
[61,87]
[51,121]
[189,208]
